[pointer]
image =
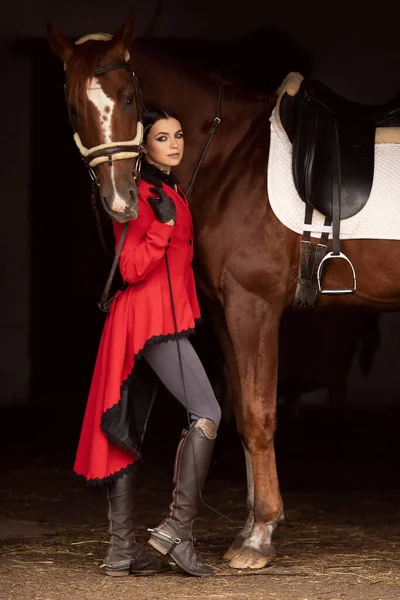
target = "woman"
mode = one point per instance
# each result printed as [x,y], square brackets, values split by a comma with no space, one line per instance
[158,305]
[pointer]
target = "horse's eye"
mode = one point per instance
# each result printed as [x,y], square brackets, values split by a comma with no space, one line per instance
[129,99]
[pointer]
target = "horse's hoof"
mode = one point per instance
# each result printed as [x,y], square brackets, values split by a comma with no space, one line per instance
[233,550]
[249,558]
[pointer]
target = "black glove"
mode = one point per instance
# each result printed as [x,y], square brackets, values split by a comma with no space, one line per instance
[163,205]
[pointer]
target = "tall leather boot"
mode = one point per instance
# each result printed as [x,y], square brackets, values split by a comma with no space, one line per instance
[124,556]
[174,535]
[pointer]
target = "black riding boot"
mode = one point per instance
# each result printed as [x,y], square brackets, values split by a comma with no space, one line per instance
[174,535]
[124,556]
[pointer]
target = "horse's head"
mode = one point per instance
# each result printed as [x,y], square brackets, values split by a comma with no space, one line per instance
[105,107]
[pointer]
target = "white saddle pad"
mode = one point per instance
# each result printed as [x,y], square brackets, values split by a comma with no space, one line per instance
[379,219]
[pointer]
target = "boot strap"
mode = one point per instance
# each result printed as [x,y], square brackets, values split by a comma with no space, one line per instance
[174,540]
[119,565]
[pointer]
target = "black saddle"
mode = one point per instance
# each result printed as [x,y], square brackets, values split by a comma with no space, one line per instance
[333,146]
[333,143]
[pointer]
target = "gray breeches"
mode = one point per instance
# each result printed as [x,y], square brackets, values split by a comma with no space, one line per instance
[200,399]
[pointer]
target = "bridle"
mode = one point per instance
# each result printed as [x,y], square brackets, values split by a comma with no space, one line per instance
[114,150]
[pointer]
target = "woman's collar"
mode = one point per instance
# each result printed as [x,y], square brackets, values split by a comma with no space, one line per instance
[154,175]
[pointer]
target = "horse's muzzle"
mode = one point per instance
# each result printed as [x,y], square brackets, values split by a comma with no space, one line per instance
[130,214]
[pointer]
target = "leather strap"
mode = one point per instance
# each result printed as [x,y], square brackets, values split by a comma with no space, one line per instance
[94,199]
[300,299]
[311,256]
[207,141]
[336,184]
[105,303]
[117,65]
[319,251]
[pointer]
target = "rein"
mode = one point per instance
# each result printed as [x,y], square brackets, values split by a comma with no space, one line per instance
[207,140]
[117,151]
[109,153]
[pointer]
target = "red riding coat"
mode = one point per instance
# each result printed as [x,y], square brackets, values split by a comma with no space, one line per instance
[119,403]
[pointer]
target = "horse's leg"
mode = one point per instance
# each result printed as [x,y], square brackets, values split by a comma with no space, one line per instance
[253,329]
[249,522]
[221,330]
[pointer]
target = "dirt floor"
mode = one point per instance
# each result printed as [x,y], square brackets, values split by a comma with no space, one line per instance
[333,545]
[341,538]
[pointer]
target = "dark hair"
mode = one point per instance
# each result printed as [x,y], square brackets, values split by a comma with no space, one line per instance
[152,115]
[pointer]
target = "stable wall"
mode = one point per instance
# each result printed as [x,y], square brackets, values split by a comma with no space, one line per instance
[359,57]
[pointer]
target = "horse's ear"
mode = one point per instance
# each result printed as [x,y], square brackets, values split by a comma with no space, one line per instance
[61,44]
[123,38]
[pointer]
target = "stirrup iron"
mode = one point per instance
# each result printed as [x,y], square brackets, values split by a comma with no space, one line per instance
[331,256]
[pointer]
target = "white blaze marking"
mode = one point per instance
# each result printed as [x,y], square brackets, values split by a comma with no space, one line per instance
[105,106]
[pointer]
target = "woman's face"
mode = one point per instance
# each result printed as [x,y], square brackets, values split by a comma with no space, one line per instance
[164,144]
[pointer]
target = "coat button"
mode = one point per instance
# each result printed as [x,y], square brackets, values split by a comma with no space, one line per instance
[190,242]
[169,239]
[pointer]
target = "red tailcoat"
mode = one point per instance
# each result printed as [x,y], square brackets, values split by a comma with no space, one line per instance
[119,405]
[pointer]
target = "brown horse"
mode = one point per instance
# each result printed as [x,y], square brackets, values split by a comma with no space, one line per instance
[247,260]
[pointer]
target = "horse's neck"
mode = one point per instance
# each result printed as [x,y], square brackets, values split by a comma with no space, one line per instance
[194,99]
[164,81]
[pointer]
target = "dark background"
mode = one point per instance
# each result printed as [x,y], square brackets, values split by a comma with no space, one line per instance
[53,268]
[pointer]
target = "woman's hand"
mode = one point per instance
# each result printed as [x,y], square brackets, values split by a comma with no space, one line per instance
[163,206]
